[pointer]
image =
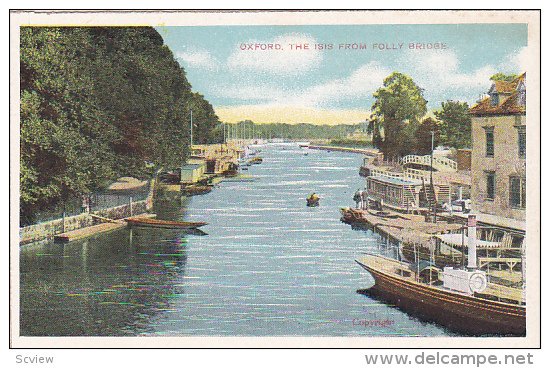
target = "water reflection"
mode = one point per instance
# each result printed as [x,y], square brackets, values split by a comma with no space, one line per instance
[96,287]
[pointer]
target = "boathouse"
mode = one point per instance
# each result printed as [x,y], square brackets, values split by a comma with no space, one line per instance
[396,192]
[193,171]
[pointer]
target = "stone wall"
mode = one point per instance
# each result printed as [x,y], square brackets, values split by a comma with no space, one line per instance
[505,163]
[47,230]
[464,159]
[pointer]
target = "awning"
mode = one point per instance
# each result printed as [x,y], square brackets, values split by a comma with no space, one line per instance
[456,240]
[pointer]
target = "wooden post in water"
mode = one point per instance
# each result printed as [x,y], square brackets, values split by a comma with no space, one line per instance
[131,213]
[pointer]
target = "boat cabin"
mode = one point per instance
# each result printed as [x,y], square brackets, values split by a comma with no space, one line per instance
[193,171]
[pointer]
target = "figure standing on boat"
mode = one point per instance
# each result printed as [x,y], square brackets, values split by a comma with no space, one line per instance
[357,198]
[364,197]
[312,200]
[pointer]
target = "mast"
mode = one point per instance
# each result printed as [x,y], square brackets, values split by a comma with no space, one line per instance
[191,129]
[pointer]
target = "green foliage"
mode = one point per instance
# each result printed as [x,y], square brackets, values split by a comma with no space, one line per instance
[455,124]
[98,103]
[398,106]
[503,77]
[423,136]
[344,142]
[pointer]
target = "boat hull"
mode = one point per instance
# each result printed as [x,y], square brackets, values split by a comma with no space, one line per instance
[460,313]
[198,190]
[161,224]
[312,202]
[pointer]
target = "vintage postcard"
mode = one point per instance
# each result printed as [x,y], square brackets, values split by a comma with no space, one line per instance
[275,178]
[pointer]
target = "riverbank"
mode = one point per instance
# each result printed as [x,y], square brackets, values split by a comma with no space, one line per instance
[49,229]
[363,151]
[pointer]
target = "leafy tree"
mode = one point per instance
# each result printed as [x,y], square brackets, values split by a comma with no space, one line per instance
[455,124]
[98,103]
[398,106]
[423,136]
[503,77]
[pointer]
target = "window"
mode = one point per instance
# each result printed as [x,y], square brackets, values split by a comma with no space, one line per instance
[521,141]
[521,94]
[522,98]
[494,99]
[517,192]
[490,185]
[489,141]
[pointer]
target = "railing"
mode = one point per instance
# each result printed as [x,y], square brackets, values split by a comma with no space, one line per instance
[385,173]
[438,162]
[100,201]
[409,173]
[417,174]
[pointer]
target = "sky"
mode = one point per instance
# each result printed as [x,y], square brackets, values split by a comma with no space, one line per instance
[235,69]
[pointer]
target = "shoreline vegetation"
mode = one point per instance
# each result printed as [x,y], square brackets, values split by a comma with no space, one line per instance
[99,103]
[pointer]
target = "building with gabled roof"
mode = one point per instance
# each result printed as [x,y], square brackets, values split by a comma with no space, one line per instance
[499,150]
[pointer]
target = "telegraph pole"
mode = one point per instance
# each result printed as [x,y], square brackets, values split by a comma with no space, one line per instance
[432,178]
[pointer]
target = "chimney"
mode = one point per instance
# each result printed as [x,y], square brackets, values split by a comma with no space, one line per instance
[472,242]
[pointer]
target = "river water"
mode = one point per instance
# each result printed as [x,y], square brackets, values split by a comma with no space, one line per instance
[268,266]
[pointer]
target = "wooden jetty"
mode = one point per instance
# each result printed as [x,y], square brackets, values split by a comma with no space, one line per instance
[104,227]
[405,228]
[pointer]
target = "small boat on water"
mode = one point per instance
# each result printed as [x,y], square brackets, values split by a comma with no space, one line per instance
[255,161]
[193,190]
[312,200]
[163,224]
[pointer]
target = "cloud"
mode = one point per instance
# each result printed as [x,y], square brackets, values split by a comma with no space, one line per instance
[360,84]
[439,71]
[282,61]
[255,92]
[517,62]
[200,59]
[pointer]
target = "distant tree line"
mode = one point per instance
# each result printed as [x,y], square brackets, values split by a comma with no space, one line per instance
[98,103]
[248,129]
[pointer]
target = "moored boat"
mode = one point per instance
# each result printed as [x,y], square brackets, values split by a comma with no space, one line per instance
[474,313]
[196,190]
[255,160]
[163,224]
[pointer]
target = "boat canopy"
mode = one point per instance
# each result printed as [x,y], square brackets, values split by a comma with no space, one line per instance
[459,241]
[422,265]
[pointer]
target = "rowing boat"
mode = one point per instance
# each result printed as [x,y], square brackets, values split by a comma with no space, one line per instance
[193,190]
[163,224]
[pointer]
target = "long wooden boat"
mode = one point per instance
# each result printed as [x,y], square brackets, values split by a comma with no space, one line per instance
[163,224]
[460,312]
[196,190]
